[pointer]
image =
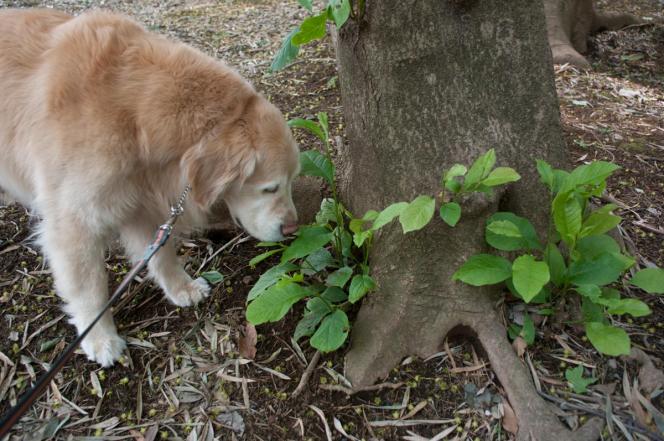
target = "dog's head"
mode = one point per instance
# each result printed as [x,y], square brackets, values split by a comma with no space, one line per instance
[249,162]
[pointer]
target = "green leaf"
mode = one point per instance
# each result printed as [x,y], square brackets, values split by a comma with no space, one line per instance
[310,126]
[306,4]
[359,286]
[346,241]
[455,171]
[309,239]
[484,269]
[559,177]
[334,294]
[315,311]
[529,276]
[591,174]
[261,257]
[312,28]
[608,339]
[307,324]
[480,169]
[591,292]
[274,303]
[604,269]
[556,262]
[361,237]
[528,330]
[49,344]
[287,53]
[316,304]
[340,277]
[417,214]
[651,280]
[269,278]
[450,213]
[606,209]
[546,174]
[513,331]
[504,228]
[453,185]
[388,214]
[327,212]
[332,332]
[499,176]
[591,311]
[314,163]
[599,223]
[576,379]
[633,307]
[355,225]
[592,246]
[528,239]
[340,10]
[610,293]
[318,261]
[567,217]
[213,277]
[322,120]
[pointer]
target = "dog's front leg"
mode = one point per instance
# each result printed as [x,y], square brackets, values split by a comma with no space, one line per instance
[179,287]
[76,257]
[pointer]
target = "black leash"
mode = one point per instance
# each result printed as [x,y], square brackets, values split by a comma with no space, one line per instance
[163,233]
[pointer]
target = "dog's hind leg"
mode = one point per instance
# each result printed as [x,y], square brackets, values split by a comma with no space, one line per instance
[76,257]
[165,268]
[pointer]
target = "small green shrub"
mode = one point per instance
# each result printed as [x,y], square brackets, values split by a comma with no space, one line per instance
[578,258]
[326,265]
[312,28]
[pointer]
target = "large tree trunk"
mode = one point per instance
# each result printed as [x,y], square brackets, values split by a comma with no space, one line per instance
[425,84]
[570,22]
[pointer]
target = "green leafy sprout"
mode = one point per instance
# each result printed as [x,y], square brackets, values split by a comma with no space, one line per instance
[326,265]
[578,257]
[314,27]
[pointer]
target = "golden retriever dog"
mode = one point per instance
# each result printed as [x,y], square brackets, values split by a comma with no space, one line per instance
[102,126]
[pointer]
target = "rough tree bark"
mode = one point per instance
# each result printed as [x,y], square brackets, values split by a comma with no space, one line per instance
[425,84]
[570,22]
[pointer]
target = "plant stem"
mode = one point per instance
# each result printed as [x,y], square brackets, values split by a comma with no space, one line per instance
[337,210]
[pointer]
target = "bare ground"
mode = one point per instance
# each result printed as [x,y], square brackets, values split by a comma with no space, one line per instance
[184,377]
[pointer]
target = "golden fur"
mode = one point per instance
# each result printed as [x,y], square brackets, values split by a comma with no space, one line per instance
[102,125]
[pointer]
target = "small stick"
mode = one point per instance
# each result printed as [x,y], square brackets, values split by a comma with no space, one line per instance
[306,375]
[349,391]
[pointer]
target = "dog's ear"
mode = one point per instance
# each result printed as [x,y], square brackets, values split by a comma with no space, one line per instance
[211,168]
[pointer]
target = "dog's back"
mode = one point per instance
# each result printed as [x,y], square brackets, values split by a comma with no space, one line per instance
[24,37]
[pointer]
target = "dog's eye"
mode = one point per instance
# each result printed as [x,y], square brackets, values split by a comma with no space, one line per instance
[271,189]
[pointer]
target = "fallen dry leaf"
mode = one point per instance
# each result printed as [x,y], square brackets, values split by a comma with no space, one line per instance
[247,341]
[509,421]
[519,345]
[650,378]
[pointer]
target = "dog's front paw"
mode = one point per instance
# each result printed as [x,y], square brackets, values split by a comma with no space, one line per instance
[103,348]
[192,293]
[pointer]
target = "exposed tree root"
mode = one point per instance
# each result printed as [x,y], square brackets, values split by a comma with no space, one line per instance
[570,22]
[536,418]
[370,359]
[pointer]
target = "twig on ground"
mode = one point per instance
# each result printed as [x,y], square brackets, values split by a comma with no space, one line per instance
[320,413]
[465,370]
[567,405]
[306,375]
[233,241]
[349,391]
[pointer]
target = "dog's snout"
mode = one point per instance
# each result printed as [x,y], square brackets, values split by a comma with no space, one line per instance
[289,228]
